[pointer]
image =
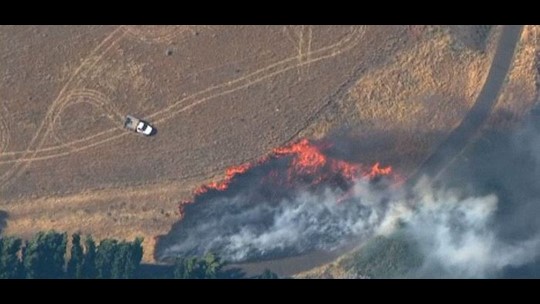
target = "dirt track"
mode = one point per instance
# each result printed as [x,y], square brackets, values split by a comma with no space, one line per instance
[441,158]
[261,88]
[68,135]
[219,96]
[477,116]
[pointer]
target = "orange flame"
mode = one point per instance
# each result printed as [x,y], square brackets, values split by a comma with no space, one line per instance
[307,161]
[377,171]
[230,174]
[307,158]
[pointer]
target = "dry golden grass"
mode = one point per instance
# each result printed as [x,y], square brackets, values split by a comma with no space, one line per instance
[109,213]
[386,101]
[520,91]
[332,270]
[420,96]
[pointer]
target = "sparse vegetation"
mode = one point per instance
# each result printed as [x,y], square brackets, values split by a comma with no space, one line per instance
[208,267]
[391,256]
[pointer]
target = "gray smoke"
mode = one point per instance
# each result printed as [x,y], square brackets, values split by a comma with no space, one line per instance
[479,222]
[458,236]
[240,229]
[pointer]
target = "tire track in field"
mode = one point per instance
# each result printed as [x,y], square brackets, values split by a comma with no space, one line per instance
[47,125]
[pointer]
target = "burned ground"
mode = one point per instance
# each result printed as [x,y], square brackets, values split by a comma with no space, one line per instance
[220,96]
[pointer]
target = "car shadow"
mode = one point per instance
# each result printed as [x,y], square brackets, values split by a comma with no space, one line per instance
[154,131]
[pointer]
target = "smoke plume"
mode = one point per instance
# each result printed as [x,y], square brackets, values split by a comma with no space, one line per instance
[478,222]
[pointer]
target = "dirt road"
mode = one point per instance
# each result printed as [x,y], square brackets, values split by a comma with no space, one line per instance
[436,162]
[444,155]
[219,96]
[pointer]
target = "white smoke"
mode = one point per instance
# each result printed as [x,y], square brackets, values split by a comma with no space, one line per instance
[475,230]
[455,234]
[240,230]
[458,238]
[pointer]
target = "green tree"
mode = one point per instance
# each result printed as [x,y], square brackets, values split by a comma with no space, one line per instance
[212,266]
[122,266]
[10,264]
[186,268]
[44,255]
[89,259]
[122,258]
[105,259]
[133,259]
[75,264]
[209,267]
[119,259]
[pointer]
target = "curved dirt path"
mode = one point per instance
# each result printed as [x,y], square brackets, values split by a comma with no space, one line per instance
[434,164]
[32,153]
[458,139]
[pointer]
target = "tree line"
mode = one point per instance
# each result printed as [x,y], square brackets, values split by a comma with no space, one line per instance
[45,256]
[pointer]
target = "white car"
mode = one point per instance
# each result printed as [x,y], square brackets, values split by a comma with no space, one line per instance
[144,128]
[139,126]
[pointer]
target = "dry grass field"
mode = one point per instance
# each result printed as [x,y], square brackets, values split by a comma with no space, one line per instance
[220,96]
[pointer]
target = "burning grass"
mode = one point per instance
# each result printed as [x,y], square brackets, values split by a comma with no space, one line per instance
[300,164]
[251,212]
